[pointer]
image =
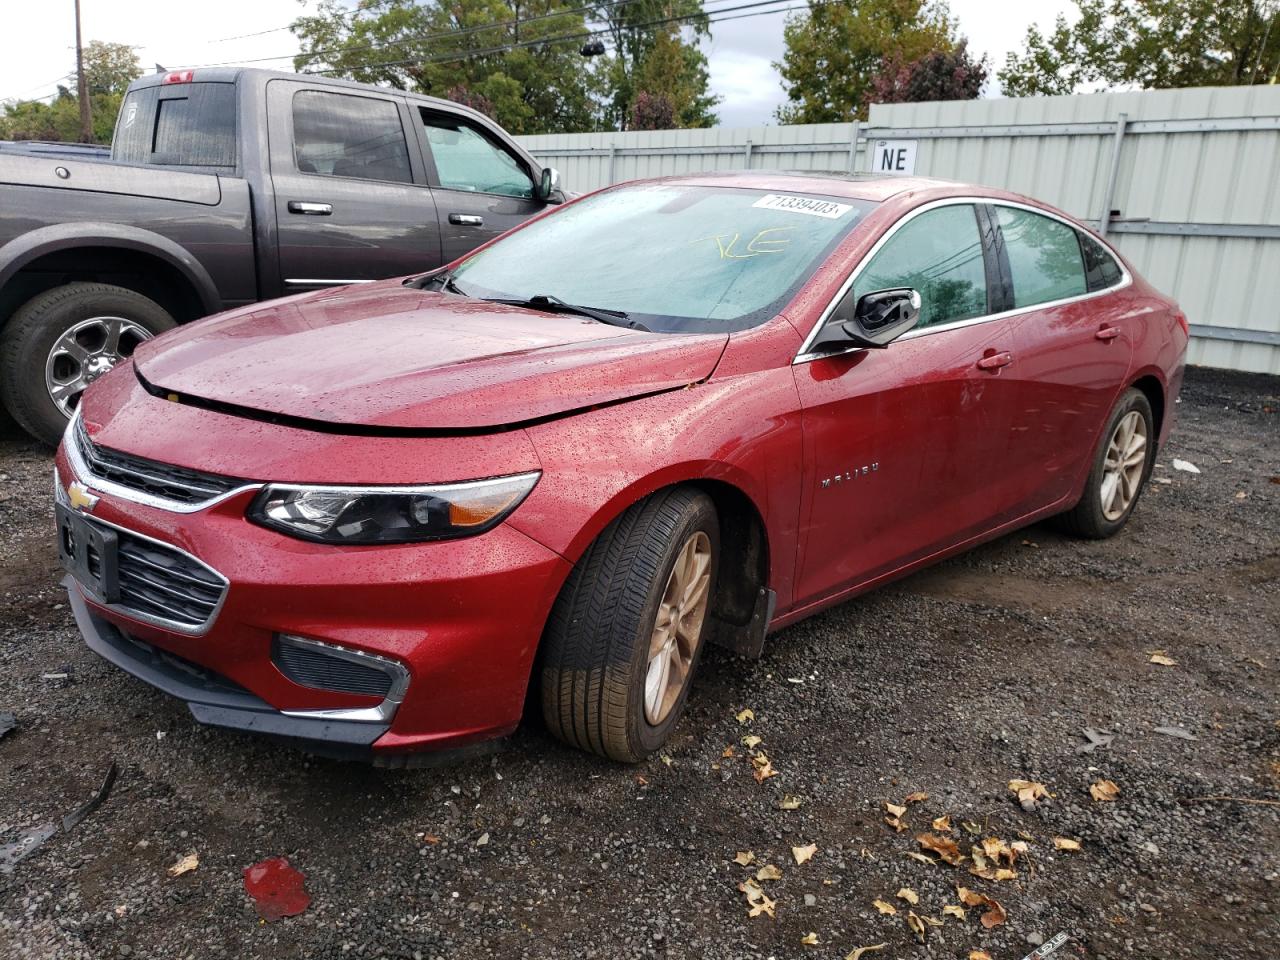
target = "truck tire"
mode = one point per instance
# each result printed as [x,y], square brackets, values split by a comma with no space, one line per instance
[60,341]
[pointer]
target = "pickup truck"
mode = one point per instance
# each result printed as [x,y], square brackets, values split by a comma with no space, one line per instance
[228,186]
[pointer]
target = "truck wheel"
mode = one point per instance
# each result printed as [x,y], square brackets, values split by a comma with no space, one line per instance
[625,635]
[62,340]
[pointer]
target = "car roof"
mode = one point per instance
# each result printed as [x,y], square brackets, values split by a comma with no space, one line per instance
[834,183]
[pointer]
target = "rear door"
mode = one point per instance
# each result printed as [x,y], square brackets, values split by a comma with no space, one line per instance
[1074,347]
[351,198]
[482,186]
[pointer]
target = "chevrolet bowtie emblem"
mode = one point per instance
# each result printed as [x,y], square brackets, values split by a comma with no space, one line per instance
[80,497]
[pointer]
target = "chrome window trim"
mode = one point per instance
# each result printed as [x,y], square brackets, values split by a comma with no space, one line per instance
[804,355]
[323,282]
[60,495]
[384,712]
[84,474]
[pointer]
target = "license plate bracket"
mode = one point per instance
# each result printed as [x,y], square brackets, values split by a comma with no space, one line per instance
[90,553]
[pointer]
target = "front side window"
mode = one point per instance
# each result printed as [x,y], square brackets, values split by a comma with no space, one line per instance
[466,160]
[1044,257]
[939,254]
[675,257]
[183,125]
[339,135]
[1100,268]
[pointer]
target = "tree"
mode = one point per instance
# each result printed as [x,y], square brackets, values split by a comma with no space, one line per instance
[835,51]
[1151,44]
[652,111]
[940,75]
[108,68]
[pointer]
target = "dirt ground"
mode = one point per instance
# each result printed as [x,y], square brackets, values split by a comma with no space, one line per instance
[952,682]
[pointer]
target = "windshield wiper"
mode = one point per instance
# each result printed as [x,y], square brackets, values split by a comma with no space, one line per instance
[442,280]
[544,301]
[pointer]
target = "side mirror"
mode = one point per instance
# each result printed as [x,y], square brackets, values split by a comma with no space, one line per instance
[549,185]
[874,321]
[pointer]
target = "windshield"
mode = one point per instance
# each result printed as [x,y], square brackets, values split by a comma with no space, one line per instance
[673,257]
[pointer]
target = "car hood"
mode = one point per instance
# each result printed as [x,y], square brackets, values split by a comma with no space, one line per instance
[390,356]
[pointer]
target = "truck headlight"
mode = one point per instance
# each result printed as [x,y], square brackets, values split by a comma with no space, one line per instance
[370,515]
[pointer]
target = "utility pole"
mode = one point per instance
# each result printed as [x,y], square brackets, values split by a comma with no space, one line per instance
[82,88]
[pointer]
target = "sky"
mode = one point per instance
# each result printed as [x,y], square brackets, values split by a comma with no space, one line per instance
[38,42]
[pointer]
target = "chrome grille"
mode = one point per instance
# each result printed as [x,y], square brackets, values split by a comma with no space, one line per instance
[177,484]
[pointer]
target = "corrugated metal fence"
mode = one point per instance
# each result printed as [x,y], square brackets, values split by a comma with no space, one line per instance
[1186,182]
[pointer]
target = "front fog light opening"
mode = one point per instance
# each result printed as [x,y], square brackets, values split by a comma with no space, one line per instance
[325,666]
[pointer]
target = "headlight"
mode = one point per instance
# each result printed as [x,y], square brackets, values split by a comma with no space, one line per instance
[357,515]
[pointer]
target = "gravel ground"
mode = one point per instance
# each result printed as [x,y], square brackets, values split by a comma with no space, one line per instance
[952,682]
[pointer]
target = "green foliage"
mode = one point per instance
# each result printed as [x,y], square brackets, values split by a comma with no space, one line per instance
[835,52]
[109,68]
[1151,44]
[455,51]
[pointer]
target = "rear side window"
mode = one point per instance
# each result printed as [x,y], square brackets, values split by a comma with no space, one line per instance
[1044,257]
[1100,268]
[939,254]
[180,125]
[468,160]
[339,135]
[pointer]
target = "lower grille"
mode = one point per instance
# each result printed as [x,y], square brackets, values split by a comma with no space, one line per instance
[313,665]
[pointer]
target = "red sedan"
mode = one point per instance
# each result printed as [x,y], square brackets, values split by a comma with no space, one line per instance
[669,413]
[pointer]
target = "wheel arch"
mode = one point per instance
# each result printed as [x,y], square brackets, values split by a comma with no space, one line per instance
[1150,383]
[123,255]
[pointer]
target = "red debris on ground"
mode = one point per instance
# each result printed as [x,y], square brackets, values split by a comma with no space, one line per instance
[276,888]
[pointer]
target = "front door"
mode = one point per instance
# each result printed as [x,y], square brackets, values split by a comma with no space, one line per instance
[352,203]
[905,447]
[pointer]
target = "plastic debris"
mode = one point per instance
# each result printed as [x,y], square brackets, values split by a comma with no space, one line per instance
[1180,732]
[11,854]
[1096,738]
[1186,466]
[276,888]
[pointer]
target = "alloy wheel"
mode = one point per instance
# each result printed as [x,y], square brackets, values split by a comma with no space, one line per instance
[84,353]
[1123,467]
[677,627]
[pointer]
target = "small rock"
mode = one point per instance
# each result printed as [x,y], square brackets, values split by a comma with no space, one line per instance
[810,900]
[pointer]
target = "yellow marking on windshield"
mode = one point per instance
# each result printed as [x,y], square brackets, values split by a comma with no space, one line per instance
[759,245]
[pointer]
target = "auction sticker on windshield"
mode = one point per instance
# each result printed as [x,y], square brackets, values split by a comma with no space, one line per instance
[812,206]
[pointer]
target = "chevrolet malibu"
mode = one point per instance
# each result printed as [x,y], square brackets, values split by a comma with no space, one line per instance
[686,411]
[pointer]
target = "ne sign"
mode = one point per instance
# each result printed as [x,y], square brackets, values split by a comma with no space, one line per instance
[893,156]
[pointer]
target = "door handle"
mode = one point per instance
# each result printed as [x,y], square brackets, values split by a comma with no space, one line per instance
[466,220]
[310,209]
[1107,333]
[994,361]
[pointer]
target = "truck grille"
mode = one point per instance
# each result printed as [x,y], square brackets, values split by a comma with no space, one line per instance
[177,484]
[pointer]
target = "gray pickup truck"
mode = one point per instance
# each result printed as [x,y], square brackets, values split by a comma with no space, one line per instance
[224,187]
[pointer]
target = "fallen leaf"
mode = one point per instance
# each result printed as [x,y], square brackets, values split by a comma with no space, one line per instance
[483,841]
[917,926]
[185,865]
[886,908]
[277,889]
[979,955]
[804,853]
[918,797]
[944,847]
[666,759]
[1185,465]
[810,940]
[994,916]
[952,910]
[1029,792]
[1104,790]
[430,838]
[909,895]
[894,809]
[857,952]
[788,802]
[745,716]
[765,906]
[744,858]
[728,752]
[895,813]
[768,872]
[971,827]
[1063,843]
[751,741]
[921,857]
[763,767]
[932,921]
[1159,656]
[986,868]
[943,824]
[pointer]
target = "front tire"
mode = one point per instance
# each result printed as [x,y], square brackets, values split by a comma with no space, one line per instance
[1121,465]
[60,341]
[626,633]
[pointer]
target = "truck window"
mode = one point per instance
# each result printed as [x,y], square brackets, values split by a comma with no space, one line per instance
[339,135]
[468,160]
[183,125]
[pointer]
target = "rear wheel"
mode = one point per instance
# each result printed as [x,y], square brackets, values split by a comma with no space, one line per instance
[1121,466]
[626,632]
[64,339]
